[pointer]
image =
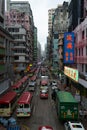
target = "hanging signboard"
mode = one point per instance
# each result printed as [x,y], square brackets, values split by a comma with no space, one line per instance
[69,47]
[72,73]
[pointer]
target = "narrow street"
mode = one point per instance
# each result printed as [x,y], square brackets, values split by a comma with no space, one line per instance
[44,113]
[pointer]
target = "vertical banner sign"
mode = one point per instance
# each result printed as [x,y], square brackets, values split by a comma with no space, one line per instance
[69,47]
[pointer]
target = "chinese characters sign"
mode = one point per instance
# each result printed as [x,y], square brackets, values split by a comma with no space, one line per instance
[69,47]
[72,73]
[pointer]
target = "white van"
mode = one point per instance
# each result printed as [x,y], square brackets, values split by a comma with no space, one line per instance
[32,86]
[73,125]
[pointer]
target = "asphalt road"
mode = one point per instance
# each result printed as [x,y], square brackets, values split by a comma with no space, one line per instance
[44,113]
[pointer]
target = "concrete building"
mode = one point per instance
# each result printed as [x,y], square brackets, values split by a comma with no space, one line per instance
[35,45]
[20,43]
[60,25]
[38,51]
[50,18]
[20,18]
[76,9]
[6,53]
[2,11]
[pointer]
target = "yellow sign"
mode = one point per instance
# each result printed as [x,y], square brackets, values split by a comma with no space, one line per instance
[72,73]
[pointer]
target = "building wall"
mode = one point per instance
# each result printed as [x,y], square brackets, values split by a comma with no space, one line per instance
[76,9]
[81,47]
[35,44]
[2,11]
[85,8]
[21,14]
[50,18]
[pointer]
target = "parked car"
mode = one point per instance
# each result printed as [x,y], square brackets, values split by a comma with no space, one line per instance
[73,125]
[45,128]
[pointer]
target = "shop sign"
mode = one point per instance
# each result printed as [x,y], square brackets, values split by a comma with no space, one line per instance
[69,47]
[72,73]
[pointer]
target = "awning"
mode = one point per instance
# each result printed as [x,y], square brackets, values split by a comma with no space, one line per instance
[83,83]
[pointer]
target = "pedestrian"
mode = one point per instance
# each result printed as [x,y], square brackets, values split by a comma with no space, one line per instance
[54,95]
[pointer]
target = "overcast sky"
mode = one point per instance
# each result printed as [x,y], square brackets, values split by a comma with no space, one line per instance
[40,13]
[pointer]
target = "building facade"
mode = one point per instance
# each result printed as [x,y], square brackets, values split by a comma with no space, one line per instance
[20,18]
[60,16]
[6,53]
[50,18]
[76,9]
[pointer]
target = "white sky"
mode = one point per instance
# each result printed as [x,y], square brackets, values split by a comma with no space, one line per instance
[40,14]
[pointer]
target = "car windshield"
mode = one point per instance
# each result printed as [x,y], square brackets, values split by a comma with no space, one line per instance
[44,91]
[76,126]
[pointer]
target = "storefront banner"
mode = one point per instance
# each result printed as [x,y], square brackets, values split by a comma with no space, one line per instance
[72,73]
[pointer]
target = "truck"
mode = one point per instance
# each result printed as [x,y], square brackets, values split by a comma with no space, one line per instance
[66,106]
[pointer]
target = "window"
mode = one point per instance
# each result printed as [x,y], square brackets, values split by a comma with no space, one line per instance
[79,52]
[76,52]
[86,32]
[86,50]
[83,34]
[82,51]
[76,126]
[82,67]
[86,68]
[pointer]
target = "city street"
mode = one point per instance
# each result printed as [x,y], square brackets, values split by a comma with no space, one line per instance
[44,113]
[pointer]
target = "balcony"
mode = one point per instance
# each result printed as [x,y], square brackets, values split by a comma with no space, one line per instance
[19,61]
[81,43]
[20,54]
[81,59]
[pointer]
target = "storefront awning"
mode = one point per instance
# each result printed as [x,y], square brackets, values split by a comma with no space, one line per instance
[83,82]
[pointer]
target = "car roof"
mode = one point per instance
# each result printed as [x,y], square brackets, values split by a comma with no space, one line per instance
[45,128]
[76,124]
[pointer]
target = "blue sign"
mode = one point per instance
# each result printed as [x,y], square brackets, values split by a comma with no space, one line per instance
[69,47]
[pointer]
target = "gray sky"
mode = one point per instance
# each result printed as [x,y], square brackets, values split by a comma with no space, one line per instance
[40,13]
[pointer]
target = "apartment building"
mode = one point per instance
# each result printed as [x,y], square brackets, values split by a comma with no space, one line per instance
[20,18]
[60,25]
[6,53]
[50,18]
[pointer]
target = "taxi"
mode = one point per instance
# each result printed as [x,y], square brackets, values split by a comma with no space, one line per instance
[44,94]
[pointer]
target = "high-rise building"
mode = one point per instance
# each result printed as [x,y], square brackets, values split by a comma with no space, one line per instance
[6,53]
[20,20]
[2,12]
[50,18]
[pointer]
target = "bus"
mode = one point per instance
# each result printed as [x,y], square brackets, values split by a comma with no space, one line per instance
[7,103]
[18,87]
[24,105]
[66,106]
